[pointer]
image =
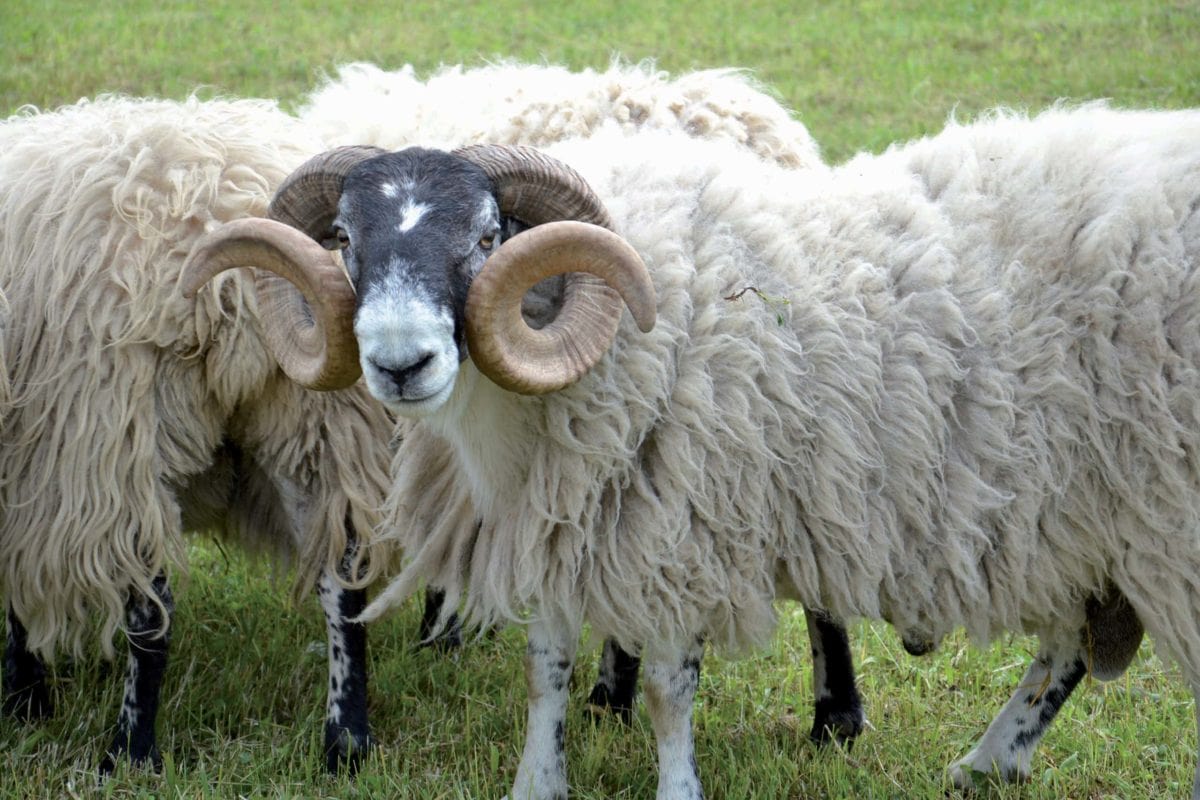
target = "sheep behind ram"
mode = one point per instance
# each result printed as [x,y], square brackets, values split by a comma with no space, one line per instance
[977,408]
[514,103]
[135,416]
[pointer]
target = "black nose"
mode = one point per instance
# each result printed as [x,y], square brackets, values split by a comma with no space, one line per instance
[401,375]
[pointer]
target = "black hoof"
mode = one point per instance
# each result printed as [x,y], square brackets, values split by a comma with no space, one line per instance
[148,758]
[840,726]
[29,703]
[345,751]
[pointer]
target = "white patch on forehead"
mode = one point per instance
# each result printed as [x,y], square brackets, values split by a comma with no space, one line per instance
[410,215]
[389,190]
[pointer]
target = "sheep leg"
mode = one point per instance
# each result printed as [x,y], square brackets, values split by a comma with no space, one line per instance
[671,676]
[445,639]
[26,693]
[549,657]
[616,683]
[1006,749]
[347,736]
[838,712]
[147,630]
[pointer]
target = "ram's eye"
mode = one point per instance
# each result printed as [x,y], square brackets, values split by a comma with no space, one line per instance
[343,238]
[487,241]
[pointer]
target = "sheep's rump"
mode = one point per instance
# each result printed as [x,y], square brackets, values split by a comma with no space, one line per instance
[953,385]
[512,103]
[123,391]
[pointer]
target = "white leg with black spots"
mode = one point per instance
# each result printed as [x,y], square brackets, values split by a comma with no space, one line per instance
[549,657]
[1006,749]
[670,677]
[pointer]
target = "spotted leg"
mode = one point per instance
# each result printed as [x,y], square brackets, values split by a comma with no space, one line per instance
[347,737]
[549,656]
[671,677]
[147,630]
[26,693]
[1006,749]
[838,712]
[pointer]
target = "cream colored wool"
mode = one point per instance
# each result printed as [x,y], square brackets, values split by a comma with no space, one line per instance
[513,103]
[114,193]
[967,396]
[129,403]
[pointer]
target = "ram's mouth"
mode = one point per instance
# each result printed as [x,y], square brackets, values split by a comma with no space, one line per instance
[409,404]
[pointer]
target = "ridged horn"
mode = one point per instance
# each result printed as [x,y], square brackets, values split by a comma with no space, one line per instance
[572,235]
[306,303]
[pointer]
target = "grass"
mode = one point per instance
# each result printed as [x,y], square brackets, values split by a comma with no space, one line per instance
[244,693]
[861,74]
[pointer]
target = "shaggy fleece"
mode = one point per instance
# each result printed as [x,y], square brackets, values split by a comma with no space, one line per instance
[954,385]
[539,104]
[130,405]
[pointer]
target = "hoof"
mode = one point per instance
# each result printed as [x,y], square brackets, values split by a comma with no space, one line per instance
[120,749]
[345,751]
[839,726]
[29,703]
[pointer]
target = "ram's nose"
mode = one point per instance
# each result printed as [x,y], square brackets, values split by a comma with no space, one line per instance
[402,375]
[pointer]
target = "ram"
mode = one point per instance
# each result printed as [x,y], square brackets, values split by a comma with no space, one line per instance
[539,104]
[958,390]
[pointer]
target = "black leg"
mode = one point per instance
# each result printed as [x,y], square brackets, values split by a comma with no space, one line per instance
[347,734]
[838,714]
[148,637]
[616,685]
[449,637]
[26,694]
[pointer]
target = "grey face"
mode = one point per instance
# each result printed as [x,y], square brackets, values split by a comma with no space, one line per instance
[415,228]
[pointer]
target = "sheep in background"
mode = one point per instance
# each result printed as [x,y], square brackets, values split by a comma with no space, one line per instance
[977,409]
[529,104]
[135,416]
[513,103]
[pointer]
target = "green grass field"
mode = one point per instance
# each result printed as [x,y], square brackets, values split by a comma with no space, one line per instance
[244,694]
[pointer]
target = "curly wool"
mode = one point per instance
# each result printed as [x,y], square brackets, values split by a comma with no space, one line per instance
[134,411]
[954,385]
[514,103]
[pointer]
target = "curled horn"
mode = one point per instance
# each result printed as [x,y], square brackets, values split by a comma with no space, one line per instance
[306,303]
[572,235]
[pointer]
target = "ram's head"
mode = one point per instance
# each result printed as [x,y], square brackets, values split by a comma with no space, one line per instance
[430,280]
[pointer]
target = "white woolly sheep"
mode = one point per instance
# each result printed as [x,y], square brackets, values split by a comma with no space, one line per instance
[135,416]
[977,408]
[514,103]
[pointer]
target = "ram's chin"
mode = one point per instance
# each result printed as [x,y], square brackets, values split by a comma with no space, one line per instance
[413,407]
